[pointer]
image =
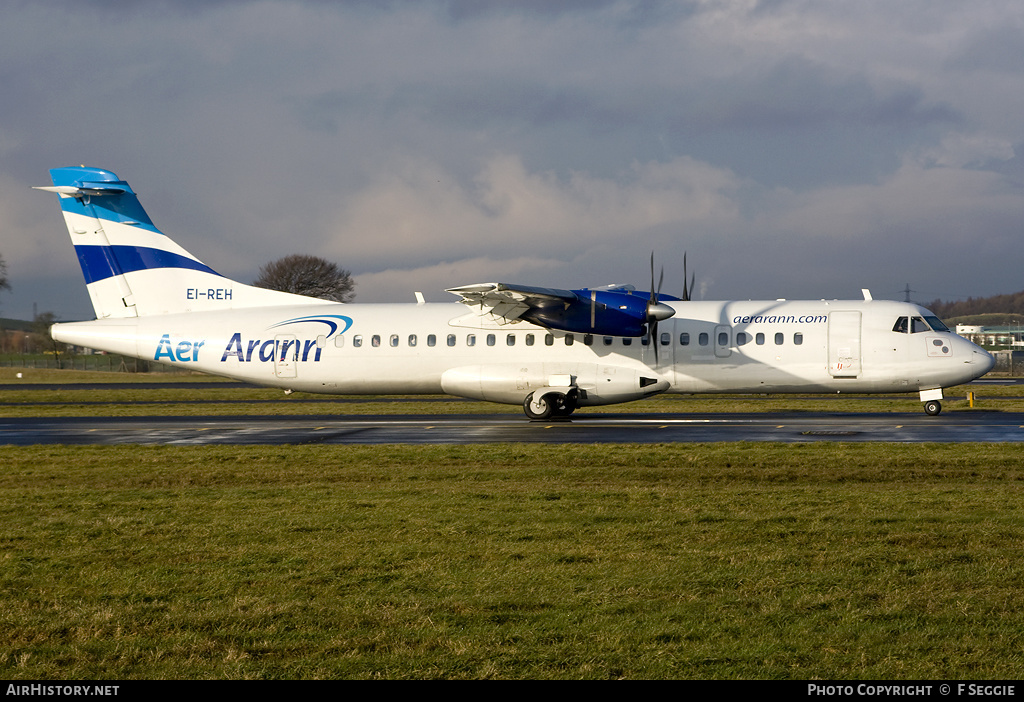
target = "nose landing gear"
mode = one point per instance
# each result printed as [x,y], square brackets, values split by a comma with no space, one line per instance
[931,399]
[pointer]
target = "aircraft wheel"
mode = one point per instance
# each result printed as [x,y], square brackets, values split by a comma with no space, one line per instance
[564,404]
[932,407]
[543,408]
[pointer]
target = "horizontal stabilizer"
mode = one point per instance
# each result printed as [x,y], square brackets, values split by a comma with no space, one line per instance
[86,189]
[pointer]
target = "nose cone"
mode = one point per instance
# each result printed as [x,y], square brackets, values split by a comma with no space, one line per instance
[977,359]
[659,312]
[984,360]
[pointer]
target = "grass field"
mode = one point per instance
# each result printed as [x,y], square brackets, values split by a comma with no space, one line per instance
[803,561]
[714,561]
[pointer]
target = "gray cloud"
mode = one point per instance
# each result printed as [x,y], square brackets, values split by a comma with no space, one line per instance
[794,148]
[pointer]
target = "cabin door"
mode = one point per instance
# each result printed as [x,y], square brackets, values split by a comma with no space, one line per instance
[844,344]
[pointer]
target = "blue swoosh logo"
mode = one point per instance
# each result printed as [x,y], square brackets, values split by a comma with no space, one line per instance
[329,319]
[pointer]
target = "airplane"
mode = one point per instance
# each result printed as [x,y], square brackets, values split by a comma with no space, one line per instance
[547,349]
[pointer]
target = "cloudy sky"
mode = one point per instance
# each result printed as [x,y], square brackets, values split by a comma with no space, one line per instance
[794,148]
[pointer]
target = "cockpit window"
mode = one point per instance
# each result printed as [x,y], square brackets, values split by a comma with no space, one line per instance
[916,325]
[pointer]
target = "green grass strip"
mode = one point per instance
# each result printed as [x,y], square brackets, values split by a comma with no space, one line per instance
[802,561]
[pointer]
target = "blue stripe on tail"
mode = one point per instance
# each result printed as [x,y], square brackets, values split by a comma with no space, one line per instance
[102,262]
[104,196]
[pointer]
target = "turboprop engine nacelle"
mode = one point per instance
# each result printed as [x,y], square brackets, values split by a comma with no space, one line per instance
[601,312]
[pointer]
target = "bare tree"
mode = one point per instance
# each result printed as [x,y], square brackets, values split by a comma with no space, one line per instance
[41,326]
[307,275]
[4,283]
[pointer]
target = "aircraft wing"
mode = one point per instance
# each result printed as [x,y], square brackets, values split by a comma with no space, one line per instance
[509,302]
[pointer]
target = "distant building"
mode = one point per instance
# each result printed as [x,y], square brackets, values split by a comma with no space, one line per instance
[993,337]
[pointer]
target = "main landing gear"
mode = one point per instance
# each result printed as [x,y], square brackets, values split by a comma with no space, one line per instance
[932,407]
[549,405]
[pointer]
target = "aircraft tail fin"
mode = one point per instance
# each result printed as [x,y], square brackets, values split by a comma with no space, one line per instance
[131,268]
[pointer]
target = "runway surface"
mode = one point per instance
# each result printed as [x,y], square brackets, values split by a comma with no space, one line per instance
[952,427]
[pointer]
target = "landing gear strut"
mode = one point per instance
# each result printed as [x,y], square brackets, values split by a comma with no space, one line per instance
[552,404]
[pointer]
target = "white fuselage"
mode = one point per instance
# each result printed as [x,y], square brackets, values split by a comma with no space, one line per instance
[708,347]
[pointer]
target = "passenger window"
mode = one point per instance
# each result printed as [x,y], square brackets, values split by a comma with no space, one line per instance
[529,339]
[470,339]
[608,340]
[703,339]
[451,340]
[684,339]
[780,339]
[569,339]
[742,338]
[412,340]
[510,340]
[666,338]
[321,341]
[627,341]
[357,340]
[490,339]
[645,340]
[798,338]
[901,325]
[339,341]
[394,340]
[549,339]
[431,339]
[759,339]
[375,340]
[588,339]
[723,338]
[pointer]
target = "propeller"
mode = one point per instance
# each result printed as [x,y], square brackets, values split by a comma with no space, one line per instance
[656,311]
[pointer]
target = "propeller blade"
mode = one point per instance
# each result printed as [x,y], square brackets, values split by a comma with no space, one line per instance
[656,311]
[652,273]
[652,329]
[686,293]
[688,289]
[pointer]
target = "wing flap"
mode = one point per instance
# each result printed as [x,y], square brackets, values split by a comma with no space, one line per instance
[506,303]
[485,293]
